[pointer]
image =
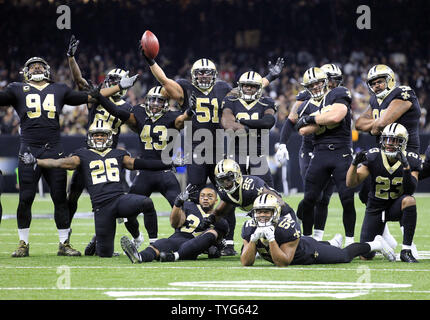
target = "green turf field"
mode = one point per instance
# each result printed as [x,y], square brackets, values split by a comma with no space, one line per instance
[43,275]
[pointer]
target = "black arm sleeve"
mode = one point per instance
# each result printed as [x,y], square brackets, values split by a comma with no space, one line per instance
[266,122]
[409,182]
[425,172]
[286,131]
[6,98]
[110,107]
[154,165]
[75,98]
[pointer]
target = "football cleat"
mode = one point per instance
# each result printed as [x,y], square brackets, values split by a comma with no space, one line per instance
[90,249]
[228,251]
[65,249]
[406,256]
[214,252]
[22,250]
[386,250]
[167,256]
[130,250]
[337,240]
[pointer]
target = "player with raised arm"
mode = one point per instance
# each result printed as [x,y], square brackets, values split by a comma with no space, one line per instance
[393,173]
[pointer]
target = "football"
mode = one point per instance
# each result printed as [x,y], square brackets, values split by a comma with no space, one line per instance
[150,45]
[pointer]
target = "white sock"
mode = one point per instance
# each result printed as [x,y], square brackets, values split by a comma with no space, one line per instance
[176,256]
[63,234]
[23,234]
[318,234]
[152,240]
[348,241]
[405,247]
[374,245]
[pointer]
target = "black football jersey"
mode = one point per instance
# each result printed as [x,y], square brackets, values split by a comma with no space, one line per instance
[245,194]
[425,173]
[97,112]
[153,134]
[208,110]
[194,215]
[386,179]
[39,107]
[285,231]
[305,109]
[339,133]
[249,111]
[410,119]
[303,95]
[102,173]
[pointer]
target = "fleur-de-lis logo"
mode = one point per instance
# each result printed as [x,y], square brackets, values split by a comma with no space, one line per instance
[405,95]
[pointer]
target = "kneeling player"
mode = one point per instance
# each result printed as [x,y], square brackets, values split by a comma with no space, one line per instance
[394,176]
[189,239]
[101,167]
[278,240]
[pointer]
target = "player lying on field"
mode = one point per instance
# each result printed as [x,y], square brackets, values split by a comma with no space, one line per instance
[393,176]
[189,239]
[101,167]
[278,240]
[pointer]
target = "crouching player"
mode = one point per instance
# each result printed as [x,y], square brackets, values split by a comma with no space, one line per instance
[394,176]
[278,240]
[101,167]
[189,239]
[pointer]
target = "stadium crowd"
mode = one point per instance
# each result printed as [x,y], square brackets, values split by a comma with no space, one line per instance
[112,41]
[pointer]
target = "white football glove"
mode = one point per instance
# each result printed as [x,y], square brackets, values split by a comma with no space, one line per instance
[127,82]
[258,234]
[282,154]
[269,233]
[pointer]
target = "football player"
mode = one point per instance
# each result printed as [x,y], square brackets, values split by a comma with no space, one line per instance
[38,101]
[425,172]
[250,110]
[389,103]
[189,239]
[151,121]
[209,93]
[393,173]
[278,239]
[332,145]
[101,166]
[96,112]
[335,79]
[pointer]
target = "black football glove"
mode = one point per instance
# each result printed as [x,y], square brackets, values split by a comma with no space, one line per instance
[192,105]
[190,190]
[402,158]
[207,222]
[275,69]
[27,158]
[304,121]
[94,91]
[359,158]
[73,46]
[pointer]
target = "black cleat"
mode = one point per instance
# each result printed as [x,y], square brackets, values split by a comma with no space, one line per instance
[90,249]
[214,252]
[406,256]
[167,256]
[228,250]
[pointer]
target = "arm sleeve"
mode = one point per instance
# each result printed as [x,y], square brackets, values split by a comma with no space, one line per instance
[266,122]
[110,107]
[75,98]
[409,182]
[154,165]
[286,131]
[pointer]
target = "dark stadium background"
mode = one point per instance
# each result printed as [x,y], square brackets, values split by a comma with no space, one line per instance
[237,35]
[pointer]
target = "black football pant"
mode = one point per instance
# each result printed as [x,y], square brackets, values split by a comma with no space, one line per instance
[147,182]
[374,222]
[1,191]
[126,206]
[28,178]
[321,207]
[328,161]
[321,252]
